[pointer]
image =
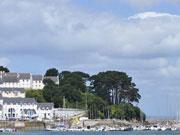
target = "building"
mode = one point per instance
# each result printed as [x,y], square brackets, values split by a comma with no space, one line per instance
[55,79]
[24,80]
[45,111]
[12,92]
[14,105]
[37,82]
[67,112]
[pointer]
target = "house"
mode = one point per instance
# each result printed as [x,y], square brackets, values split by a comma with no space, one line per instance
[55,79]
[14,105]
[37,82]
[12,92]
[45,111]
[19,108]
[24,80]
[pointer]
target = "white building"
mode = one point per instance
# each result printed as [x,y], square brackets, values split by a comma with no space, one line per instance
[45,111]
[14,105]
[24,80]
[12,92]
[37,82]
[67,112]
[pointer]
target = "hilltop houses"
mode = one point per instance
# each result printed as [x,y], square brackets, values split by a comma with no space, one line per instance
[14,106]
[24,80]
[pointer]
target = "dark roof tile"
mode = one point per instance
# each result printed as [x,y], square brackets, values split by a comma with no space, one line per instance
[19,100]
[24,76]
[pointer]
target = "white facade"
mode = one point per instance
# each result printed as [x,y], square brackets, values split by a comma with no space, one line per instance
[12,92]
[24,80]
[67,112]
[14,105]
[37,82]
[45,111]
[17,110]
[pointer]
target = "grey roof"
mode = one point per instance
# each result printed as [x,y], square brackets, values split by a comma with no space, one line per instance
[37,77]
[10,79]
[1,107]
[53,78]
[32,110]
[10,74]
[45,105]
[1,81]
[24,76]
[1,96]
[22,90]
[18,100]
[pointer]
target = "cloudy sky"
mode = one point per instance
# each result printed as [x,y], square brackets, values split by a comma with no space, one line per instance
[139,37]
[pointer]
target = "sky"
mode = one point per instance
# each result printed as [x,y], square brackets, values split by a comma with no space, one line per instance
[139,37]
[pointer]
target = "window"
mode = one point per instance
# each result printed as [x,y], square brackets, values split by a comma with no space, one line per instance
[30,113]
[16,93]
[11,113]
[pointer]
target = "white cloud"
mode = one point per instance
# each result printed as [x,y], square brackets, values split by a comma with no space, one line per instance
[143,4]
[77,38]
[151,15]
[59,32]
[4,61]
[172,71]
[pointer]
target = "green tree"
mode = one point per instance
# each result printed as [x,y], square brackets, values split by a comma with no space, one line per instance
[114,87]
[126,111]
[96,106]
[117,111]
[52,72]
[49,90]
[37,94]
[4,69]
[75,79]
[70,93]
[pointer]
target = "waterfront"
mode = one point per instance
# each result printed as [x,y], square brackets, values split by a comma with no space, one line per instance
[96,133]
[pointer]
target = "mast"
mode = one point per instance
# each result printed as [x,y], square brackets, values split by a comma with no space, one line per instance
[64,106]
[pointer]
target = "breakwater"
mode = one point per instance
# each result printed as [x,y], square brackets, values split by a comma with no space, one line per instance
[23,125]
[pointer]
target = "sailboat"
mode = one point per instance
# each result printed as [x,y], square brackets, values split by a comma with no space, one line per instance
[60,126]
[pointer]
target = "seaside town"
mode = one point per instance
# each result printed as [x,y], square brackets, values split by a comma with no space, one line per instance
[89,67]
[19,112]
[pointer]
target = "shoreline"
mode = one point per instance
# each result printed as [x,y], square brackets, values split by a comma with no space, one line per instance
[33,125]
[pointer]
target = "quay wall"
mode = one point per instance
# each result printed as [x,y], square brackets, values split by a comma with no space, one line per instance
[23,125]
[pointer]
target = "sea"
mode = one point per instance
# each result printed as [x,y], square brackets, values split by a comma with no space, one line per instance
[95,133]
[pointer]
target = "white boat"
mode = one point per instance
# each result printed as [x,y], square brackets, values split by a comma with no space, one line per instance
[58,128]
[7,130]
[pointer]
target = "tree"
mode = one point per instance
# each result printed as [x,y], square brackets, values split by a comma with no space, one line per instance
[4,69]
[75,79]
[37,94]
[71,93]
[126,111]
[96,106]
[50,90]
[114,87]
[52,72]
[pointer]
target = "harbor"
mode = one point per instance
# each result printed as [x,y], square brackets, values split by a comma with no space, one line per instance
[88,126]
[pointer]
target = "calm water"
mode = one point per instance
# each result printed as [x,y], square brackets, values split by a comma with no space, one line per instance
[96,133]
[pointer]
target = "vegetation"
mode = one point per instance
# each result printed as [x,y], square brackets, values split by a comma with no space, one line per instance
[37,94]
[108,94]
[52,72]
[114,87]
[4,69]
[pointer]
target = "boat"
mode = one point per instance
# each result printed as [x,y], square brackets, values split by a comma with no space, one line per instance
[8,130]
